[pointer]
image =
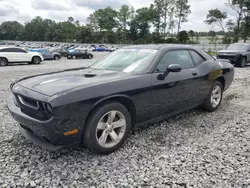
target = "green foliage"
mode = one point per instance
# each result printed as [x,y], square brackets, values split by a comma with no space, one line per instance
[215,16]
[182,12]
[183,37]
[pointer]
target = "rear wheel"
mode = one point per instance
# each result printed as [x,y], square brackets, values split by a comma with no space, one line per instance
[56,57]
[36,60]
[107,129]
[3,61]
[73,57]
[214,99]
[90,56]
[243,62]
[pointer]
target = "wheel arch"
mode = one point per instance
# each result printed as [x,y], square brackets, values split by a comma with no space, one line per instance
[4,58]
[123,99]
[222,80]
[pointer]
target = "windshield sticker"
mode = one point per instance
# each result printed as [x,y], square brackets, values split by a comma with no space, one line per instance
[148,51]
[127,50]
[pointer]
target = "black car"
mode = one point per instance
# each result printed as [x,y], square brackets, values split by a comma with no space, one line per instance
[98,106]
[237,53]
[74,54]
[62,51]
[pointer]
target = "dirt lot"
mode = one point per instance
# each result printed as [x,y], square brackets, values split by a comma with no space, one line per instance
[193,149]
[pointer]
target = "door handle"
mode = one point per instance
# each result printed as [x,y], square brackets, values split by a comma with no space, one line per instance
[194,73]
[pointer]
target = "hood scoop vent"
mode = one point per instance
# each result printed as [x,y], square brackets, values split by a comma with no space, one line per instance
[89,75]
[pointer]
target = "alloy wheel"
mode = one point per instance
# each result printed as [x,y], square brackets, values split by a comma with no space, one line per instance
[3,62]
[111,129]
[36,60]
[216,96]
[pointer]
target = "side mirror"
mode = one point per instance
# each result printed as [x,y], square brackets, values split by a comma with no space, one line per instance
[174,68]
[170,68]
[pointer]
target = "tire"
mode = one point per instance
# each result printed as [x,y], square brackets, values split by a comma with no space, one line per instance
[73,57]
[90,56]
[92,134]
[3,61]
[36,60]
[56,57]
[243,62]
[212,102]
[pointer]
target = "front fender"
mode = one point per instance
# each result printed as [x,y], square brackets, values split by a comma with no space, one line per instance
[112,97]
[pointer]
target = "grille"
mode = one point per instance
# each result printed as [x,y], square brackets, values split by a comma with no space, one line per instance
[226,57]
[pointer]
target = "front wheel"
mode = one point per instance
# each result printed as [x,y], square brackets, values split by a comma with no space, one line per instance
[107,129]
[243,62]
[90,56]
[3,61]
[214,99]
[36,60]
[56,57]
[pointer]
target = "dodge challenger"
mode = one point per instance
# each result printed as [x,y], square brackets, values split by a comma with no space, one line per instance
[97,106]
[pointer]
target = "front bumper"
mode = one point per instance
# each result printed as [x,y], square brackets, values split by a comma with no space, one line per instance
[47,134]
[232,58]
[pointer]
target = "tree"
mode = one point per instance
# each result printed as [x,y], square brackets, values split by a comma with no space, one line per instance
[93,23]
[182,11]
[191,34]
[123,16]
[139,26]
[168,10]
[183,37]
[215,16]
[70,19]
[11,30]
[106,18]
[238,7]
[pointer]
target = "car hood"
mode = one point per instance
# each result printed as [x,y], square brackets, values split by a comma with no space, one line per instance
[230,52]
[64,81]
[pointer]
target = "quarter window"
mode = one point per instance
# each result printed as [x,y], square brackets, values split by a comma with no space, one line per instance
[181,57]
[197,58]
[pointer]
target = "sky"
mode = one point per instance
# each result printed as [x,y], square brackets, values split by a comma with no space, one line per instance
[60,10]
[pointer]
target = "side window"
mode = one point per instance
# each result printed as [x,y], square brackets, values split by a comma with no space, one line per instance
[20,50]
[5,50]
[197,58]
[181,57]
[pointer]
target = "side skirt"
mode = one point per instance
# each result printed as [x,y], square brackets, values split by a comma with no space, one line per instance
[160,118]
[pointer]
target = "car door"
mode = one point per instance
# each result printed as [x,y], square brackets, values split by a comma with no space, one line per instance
[248,54]
[177,91]
[16,55]
[49,54]
[23,55]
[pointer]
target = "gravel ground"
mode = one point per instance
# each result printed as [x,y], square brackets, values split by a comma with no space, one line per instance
[193,149]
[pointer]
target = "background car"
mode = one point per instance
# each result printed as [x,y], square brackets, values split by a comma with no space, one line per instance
[79,54]
[62,51]
[99,105]
[47,55]
[18,55]
[237,53]
[100,49]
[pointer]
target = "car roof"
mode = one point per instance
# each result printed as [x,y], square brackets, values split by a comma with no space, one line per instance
[159,46]
[4,47]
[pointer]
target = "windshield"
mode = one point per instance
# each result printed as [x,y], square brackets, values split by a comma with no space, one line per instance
[127,60]
[242,47]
